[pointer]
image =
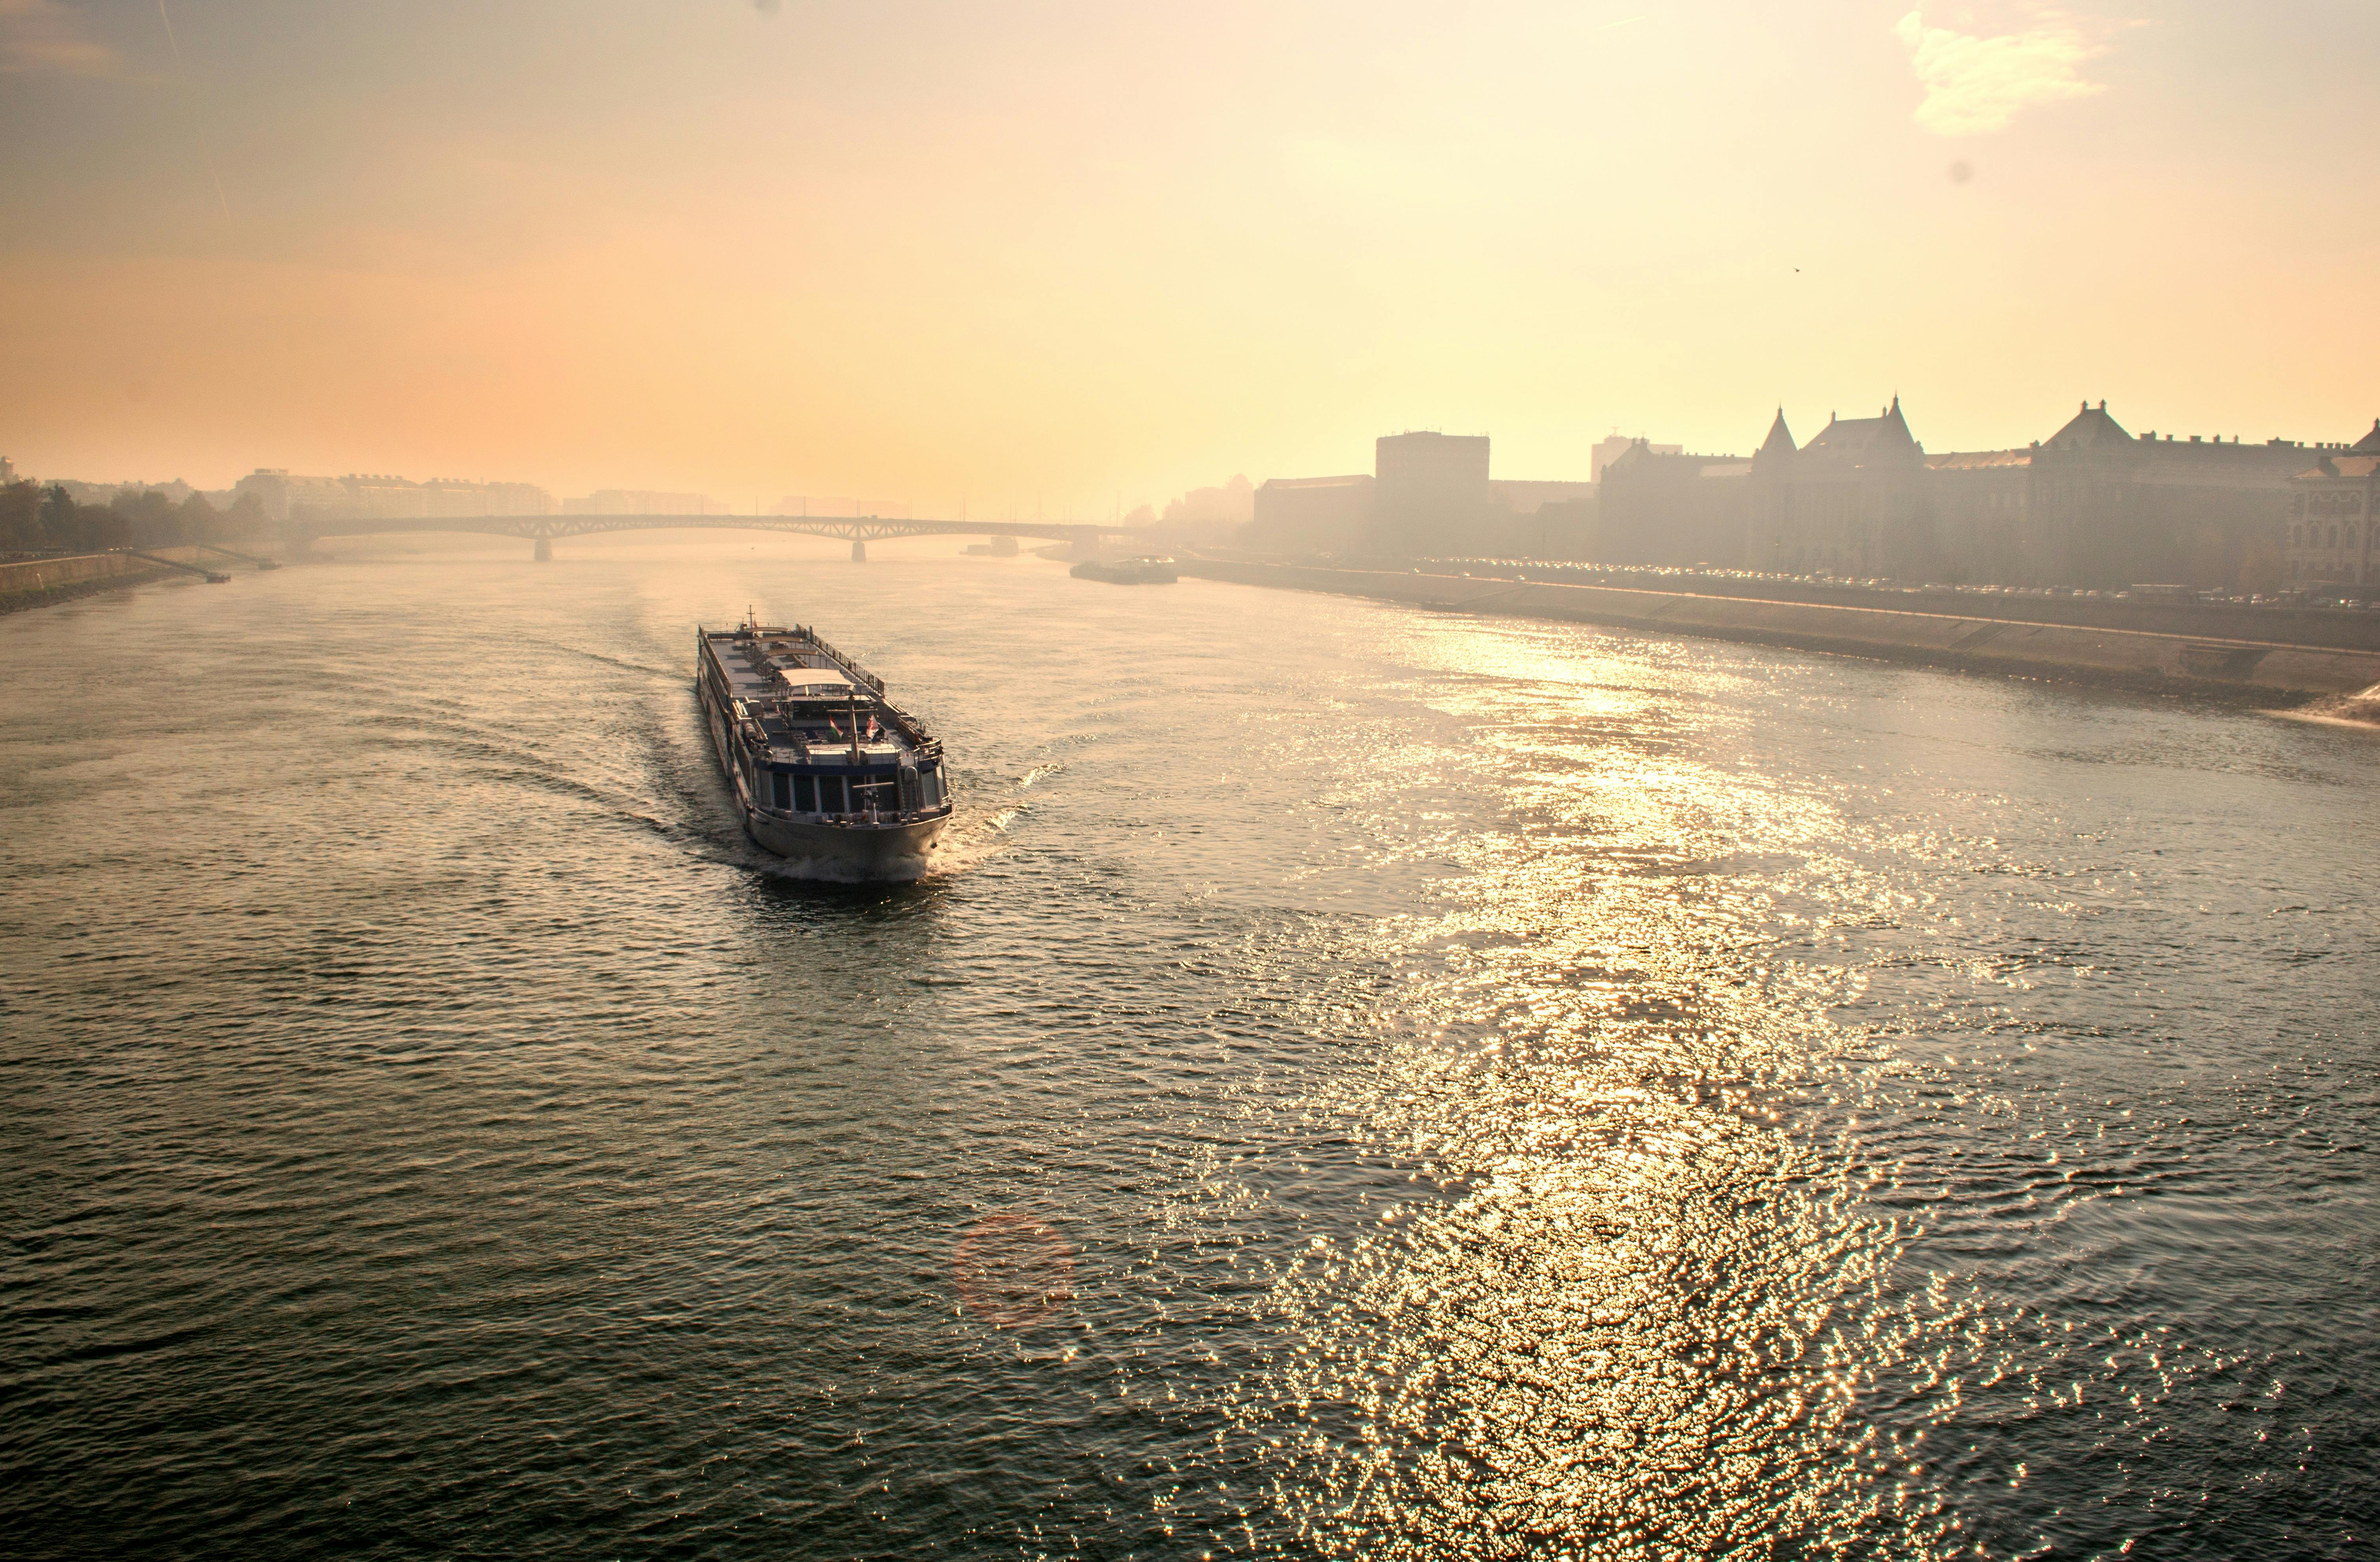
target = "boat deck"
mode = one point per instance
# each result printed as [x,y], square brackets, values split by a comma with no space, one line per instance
[767,668]
[825,768]
[798,702]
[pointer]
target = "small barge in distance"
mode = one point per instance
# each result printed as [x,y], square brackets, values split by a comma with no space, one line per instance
[827,773]
[1146,571]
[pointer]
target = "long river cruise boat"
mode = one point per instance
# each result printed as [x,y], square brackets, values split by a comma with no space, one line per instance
[827,772]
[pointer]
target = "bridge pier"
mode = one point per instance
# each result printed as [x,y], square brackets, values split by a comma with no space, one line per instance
[544,553]
[859,553]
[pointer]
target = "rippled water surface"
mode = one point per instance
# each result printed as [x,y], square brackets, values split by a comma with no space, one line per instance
[1365,1083]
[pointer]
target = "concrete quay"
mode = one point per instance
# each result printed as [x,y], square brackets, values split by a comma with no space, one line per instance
[36,582]
[1932,635]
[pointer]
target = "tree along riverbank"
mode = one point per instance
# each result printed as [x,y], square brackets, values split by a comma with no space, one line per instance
[34,518]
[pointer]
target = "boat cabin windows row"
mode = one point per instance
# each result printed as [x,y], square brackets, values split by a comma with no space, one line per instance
[810,794]
[879,791]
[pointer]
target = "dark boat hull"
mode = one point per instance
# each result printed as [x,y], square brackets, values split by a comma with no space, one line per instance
[859,853]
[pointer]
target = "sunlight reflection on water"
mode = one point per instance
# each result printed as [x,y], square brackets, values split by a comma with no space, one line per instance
[1363,1084]
[1642,1310]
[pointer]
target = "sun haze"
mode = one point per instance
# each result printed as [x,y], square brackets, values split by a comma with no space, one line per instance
[1059,254]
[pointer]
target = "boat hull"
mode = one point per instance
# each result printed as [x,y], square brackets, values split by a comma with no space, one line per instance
[857,853]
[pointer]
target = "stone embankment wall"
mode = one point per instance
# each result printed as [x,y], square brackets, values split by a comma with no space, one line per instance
[1927,634]
[2343,629]
[32,582]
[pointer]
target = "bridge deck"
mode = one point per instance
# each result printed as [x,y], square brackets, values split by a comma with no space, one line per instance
[852,529]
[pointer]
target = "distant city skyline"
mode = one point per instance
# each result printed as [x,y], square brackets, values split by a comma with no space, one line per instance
[1068,256]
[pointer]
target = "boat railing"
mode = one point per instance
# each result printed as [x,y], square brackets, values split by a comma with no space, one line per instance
[857,673]
[811,638]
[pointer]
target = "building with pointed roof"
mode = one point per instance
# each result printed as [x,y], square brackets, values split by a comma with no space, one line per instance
[1847,502]
[1882,437]
[2093,505]
[2110,509]
[2090,430]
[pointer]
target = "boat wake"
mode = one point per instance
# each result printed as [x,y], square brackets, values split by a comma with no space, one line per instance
[2341,710]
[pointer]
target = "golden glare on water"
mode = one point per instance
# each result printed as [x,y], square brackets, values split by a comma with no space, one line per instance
[1372,1084]
[1624,1304]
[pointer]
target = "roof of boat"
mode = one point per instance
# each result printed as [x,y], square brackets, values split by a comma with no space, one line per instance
[813,678]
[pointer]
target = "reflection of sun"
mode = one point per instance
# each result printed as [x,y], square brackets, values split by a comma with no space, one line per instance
[1012,1270]
[1645,1320]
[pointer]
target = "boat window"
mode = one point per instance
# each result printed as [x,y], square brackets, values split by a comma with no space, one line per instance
[830,794]
[929,787]
[779,785]
[805,795]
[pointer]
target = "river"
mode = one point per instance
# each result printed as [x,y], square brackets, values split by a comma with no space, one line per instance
[1364,1082]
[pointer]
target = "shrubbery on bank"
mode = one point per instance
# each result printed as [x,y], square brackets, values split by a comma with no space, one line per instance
[38,519]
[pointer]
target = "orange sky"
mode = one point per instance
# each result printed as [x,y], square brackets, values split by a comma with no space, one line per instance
[1064,253]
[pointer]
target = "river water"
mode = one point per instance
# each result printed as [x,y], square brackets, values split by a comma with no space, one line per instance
[1365,1083]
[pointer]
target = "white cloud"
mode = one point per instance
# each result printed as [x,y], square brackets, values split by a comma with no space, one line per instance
[1975,85]
[45,35]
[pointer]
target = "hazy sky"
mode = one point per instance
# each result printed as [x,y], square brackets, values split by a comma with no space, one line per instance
[918,250]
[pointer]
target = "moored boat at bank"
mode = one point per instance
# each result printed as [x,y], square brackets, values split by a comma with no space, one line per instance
[827,772]
[1148,570]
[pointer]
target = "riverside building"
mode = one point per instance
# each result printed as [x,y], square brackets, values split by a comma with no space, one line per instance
[2092,506]
[1304,515]
[1428,495]
[1430,492]
[285,495]
[2330,549]
[1663,505]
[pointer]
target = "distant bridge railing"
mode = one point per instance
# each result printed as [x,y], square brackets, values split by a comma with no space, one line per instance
[546,528]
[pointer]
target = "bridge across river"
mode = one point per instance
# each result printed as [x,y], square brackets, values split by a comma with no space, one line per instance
[1082,540]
